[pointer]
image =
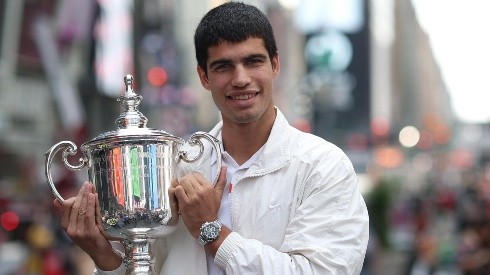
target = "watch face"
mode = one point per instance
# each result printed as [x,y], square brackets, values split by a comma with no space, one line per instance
[210,232]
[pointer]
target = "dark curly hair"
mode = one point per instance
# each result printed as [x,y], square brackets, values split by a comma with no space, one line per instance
[234,22]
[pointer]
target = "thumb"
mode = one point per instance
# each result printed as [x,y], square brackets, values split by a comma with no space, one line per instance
[220,184]
[57,203]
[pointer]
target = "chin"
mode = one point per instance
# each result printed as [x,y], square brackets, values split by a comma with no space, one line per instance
[244,119]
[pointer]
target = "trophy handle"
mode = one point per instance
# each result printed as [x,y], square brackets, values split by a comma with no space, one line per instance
[69,149]
[195,140]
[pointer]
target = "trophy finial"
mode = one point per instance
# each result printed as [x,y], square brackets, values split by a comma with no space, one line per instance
[130,117]
[128,81]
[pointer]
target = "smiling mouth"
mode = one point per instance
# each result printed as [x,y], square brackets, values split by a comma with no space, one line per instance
[242,97]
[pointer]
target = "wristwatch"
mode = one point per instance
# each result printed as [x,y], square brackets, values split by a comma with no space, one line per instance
[209,232]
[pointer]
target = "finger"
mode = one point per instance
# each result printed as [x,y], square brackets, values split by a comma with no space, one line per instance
[199,182]
[174,207]
[98,216]
[90,210]
[188,184]
[64,210]
[180,194]
[174,202]
[96,200]
[221,183]
[175,182]
[57,203]
[73,213]
[82,210]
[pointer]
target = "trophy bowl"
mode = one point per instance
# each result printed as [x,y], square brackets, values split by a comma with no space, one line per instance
[132,169]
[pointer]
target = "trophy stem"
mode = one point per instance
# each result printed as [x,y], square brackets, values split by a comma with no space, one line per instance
[139,259]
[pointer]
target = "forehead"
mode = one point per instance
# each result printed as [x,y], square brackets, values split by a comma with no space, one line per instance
[237,50]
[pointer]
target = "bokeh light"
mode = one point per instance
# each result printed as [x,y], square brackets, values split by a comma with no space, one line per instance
[388,157]
[9,220]
[409,136]
[380,126]
[157,76]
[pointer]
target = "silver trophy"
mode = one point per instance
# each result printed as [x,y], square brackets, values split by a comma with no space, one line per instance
[132,169]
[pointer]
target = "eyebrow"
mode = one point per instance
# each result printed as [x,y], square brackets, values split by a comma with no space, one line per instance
[226,60]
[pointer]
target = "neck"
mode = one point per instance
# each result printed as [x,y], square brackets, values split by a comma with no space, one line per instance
[242,141]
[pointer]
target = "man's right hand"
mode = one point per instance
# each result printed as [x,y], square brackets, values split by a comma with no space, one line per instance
[80,218]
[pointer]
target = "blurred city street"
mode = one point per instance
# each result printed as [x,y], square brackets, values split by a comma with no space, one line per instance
[374,77]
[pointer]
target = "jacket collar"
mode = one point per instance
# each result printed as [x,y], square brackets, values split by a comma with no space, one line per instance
[276,152]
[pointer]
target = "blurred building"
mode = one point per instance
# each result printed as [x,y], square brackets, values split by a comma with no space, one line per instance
[407,86]
[419,92]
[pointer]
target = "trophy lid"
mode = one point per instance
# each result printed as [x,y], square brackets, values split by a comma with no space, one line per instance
[131,123]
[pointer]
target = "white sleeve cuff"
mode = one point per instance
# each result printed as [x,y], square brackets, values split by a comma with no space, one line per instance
[229,245]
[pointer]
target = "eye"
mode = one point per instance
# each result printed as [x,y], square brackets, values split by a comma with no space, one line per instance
[254,61]
[222,67]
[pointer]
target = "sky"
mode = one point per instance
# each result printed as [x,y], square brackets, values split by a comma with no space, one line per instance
[459,35]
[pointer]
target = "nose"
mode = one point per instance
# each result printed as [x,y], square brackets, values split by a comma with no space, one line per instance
[241,77]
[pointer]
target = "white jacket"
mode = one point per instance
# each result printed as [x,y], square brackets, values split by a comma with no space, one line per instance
[297,210]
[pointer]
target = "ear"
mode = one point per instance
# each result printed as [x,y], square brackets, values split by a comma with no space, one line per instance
[203,77]
[276,65]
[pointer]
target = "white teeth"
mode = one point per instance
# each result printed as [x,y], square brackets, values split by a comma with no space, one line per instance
[243,97]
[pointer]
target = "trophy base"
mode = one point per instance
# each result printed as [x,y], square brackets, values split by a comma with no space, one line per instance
[139,259]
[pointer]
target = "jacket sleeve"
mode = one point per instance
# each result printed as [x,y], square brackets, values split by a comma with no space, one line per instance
[327,232]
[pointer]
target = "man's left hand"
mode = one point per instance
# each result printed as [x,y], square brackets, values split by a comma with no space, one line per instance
[198,200]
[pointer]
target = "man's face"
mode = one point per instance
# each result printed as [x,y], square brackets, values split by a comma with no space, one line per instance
[240,77]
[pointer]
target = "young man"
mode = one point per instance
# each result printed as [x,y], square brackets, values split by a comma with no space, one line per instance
[286,202]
